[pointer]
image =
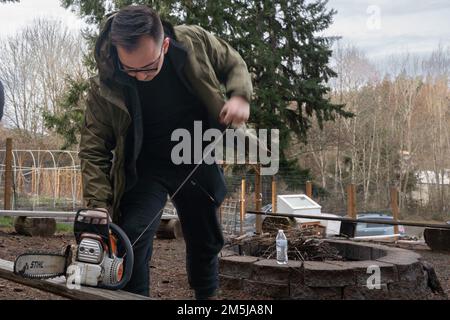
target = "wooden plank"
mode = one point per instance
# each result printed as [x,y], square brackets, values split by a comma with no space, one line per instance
[36,214]
[55,214]
[309,189]
[258,200]
[58,287]
[347,219]
[243,207]
[274,194]
[394,206]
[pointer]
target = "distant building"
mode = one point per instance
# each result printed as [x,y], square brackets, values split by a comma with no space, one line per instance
[428,184]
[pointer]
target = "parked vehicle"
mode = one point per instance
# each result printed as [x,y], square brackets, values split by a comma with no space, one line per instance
[365,229]
[267,208]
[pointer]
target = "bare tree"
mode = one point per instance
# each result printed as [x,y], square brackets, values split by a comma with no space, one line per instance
[401,127]
[33,65]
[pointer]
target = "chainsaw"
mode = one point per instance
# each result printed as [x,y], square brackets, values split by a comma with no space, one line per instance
[94,260]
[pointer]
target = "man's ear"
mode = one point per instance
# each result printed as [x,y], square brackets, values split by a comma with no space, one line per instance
[166,44]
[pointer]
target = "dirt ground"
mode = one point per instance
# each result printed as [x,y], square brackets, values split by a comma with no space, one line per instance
[167,270]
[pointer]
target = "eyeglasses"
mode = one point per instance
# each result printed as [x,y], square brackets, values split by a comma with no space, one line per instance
[133,72]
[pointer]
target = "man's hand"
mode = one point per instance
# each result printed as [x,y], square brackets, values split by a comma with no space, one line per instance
[95,216]
[236,111]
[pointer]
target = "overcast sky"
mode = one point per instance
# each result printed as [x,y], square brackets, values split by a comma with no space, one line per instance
[13,16]
[380,27]
[385,27]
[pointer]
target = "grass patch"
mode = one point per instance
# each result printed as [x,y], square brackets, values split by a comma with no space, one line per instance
[64,227]
[6,222]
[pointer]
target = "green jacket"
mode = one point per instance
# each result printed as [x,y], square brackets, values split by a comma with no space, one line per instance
[209,63]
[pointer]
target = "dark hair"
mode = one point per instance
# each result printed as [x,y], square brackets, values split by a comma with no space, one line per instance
[133,22]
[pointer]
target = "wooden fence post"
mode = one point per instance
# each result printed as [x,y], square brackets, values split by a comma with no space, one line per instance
[258,200]
[19,179]
[58,183]
[8,175]
[274,194]
[242,206]
[309,189]
[394,206]
[351,201]
[33,180]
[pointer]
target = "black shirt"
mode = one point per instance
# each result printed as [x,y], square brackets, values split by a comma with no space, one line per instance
[166,105]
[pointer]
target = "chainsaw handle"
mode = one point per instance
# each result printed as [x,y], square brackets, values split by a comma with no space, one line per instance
[129,258]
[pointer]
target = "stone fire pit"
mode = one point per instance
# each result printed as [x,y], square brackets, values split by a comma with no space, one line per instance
[403,275]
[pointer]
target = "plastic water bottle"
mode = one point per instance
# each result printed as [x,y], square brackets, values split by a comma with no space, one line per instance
[282,248]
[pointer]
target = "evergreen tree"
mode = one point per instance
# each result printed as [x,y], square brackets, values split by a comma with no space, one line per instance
[279,41]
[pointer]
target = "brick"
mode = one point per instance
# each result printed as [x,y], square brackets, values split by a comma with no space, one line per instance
[237,266]
[302,292]
[230,283]
[377,253]
[407,290]
[364,293]
[407,269]
[296,275]
[299,291]
[388,271]
[407,263]
[358,252]
[401,256]
[410,272]
[322,274]
[227,253]
[270,271]
[270,290]
[340,246]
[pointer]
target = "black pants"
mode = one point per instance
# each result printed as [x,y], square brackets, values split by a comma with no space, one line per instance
[198,216]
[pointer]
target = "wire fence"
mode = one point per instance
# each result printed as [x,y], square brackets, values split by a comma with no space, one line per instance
[43,180]
[51,180]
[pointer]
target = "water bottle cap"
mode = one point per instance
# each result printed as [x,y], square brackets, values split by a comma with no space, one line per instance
[281,230]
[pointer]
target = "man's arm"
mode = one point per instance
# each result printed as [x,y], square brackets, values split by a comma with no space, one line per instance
[232,71]
[96,145]
[229,66]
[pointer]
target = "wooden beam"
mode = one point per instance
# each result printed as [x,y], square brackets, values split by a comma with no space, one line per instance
[36,214]
[242,206]
[33,180]
[394,206]
[8,176]
[351,201]
[274,194]
[347,219]
[55,214]
[258,200]
[58,173]
[309,189]
[58,287]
